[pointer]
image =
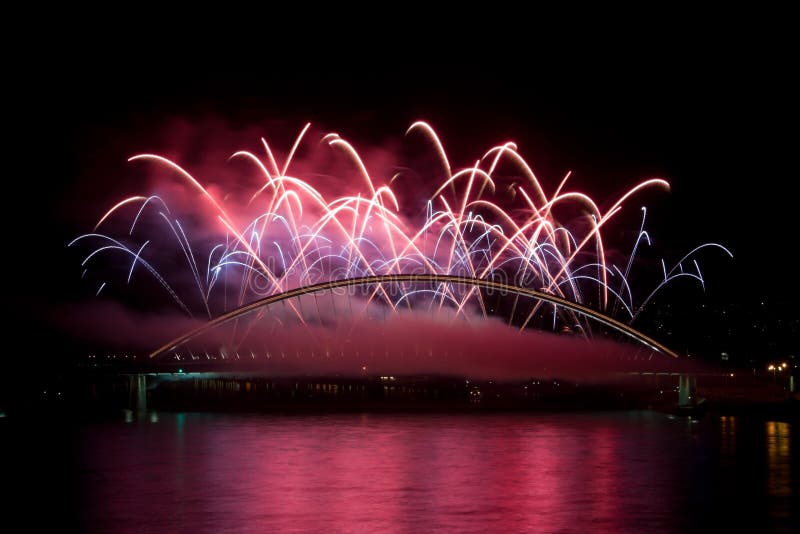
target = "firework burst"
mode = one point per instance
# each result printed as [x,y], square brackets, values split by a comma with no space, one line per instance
[475,223]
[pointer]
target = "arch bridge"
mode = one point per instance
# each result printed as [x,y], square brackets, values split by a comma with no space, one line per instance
[420,278]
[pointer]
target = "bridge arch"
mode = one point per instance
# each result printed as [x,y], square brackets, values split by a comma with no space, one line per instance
[426,278]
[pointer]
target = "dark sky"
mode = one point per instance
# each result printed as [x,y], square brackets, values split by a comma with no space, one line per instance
[708,104]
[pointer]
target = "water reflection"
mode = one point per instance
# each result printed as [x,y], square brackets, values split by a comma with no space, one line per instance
[599,472]
[779,468]
[727,445]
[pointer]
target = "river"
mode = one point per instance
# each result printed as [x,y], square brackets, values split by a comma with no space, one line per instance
[575,472]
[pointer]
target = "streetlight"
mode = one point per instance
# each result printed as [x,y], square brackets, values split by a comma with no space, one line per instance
[773,369]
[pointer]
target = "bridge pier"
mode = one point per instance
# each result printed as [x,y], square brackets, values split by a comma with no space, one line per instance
[687,385]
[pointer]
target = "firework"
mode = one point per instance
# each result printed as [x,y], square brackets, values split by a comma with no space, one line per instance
[474,223]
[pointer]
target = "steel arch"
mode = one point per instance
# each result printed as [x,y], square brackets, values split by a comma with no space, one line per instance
[431,278]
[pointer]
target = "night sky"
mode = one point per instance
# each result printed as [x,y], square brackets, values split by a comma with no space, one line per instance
[707,107]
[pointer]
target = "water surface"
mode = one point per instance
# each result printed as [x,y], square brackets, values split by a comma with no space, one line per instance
[595,472]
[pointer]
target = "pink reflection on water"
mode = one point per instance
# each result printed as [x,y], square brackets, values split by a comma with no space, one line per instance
[369,472]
